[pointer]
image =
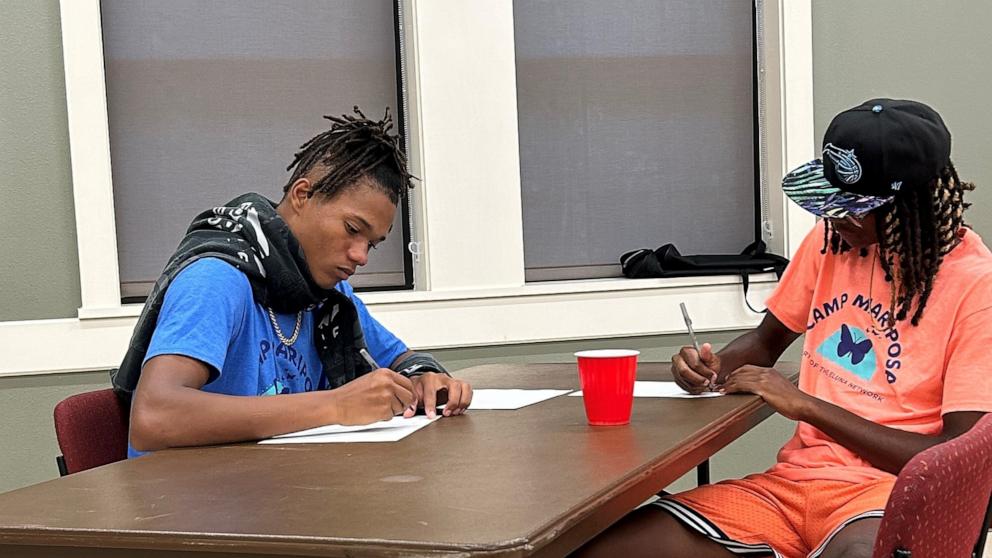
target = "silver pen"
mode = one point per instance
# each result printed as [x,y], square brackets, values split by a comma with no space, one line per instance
[368,358]
[692,336]
[375,366]
[688,326]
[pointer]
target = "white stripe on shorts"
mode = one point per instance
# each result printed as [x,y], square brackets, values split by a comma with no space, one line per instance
[699,523]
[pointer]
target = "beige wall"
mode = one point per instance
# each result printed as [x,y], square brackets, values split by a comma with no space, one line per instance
[39,273]
[937,52]
[26,405]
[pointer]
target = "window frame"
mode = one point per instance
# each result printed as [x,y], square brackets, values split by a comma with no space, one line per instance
[469,280]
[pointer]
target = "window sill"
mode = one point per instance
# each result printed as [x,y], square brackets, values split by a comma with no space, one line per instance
[544,288]
[546,311]
[533,313]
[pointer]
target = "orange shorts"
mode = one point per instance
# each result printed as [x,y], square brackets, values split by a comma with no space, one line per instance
[767,514]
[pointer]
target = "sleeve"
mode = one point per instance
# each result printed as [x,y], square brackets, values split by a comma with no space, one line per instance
[383,345]
[203,311]
[968,371]
[791,300]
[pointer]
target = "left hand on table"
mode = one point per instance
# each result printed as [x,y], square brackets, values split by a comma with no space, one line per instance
[433,389]
[781,394]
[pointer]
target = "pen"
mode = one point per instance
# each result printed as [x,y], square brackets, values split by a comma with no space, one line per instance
[368,358]
[692,336]
[688,326]
[375,366]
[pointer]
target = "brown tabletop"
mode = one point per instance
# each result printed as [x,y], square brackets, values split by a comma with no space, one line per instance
[538,480]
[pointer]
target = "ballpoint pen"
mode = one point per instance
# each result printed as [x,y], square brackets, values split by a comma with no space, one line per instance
[375,366]
[692,336]
[368,358]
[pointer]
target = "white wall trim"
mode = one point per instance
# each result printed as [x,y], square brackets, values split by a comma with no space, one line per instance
[467,98]
[89,146]
[459,57]
[798,143]
[420,229]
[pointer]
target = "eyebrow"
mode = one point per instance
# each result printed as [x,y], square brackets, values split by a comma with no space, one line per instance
[369,226]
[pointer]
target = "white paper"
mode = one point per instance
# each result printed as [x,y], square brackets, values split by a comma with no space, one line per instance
[662,389]
[510,399]
[392,430]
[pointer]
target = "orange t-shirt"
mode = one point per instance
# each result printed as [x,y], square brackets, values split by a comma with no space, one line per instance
[897,375]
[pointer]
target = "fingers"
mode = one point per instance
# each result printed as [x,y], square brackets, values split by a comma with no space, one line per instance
[454,391]
[685,377]
[689,371]
[731,386]
[430,388]
[418,393]
[706,354]
[466,399]
[440,389]
[403,393]
[459,396]
[712,362]
[679,375]
[400,379]
[698,364]
[740,380]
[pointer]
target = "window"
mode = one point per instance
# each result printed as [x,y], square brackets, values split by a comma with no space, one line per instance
[471,290]
[208,100]
[637,128]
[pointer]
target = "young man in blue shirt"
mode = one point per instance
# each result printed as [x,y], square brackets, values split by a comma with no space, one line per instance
[252,330]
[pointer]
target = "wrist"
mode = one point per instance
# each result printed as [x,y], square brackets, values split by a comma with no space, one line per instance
[807,408]
[328,407]
[416,371]
[415,364]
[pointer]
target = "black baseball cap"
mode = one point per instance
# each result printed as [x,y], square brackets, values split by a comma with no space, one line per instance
[872,153]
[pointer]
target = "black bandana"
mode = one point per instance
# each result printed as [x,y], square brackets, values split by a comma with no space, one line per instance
[250,235]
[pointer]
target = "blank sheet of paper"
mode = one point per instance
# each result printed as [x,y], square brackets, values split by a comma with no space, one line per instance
[510,399]
[392,430]
[661,389]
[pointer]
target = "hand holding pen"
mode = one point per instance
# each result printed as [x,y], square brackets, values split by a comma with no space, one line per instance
[412,409]
[695,368]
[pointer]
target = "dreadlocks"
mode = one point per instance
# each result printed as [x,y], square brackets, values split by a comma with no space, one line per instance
[915,232]
[354,148]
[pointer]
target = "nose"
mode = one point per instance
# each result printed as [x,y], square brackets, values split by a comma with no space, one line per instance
[359,253]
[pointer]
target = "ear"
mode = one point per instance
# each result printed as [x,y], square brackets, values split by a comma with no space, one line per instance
[298,195]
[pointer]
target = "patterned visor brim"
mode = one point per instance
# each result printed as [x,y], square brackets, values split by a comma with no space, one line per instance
[808,187]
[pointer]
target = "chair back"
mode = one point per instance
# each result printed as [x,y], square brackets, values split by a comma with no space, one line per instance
[91,429]
[940,502]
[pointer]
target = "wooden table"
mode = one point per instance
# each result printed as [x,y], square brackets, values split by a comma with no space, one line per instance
[537,481]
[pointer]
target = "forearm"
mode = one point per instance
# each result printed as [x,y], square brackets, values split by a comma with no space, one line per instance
[885,448]
[185,416]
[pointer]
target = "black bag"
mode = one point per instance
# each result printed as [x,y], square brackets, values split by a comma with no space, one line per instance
[666,261]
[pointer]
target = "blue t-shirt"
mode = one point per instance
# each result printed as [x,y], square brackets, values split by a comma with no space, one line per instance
[209,314]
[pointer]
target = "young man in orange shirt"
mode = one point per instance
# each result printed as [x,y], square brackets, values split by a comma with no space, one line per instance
[894,295]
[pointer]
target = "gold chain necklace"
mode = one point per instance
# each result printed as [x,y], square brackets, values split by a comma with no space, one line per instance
[296,331]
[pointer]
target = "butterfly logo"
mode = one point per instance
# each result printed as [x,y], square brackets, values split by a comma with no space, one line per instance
[848,346]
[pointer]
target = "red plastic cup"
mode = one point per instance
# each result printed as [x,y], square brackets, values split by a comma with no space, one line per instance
[607,380]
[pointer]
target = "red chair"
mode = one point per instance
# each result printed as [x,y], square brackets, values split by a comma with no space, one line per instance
[940,504]
[91,429]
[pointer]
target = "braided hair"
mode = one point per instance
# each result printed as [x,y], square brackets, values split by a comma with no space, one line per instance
[915,232]
[354,148]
